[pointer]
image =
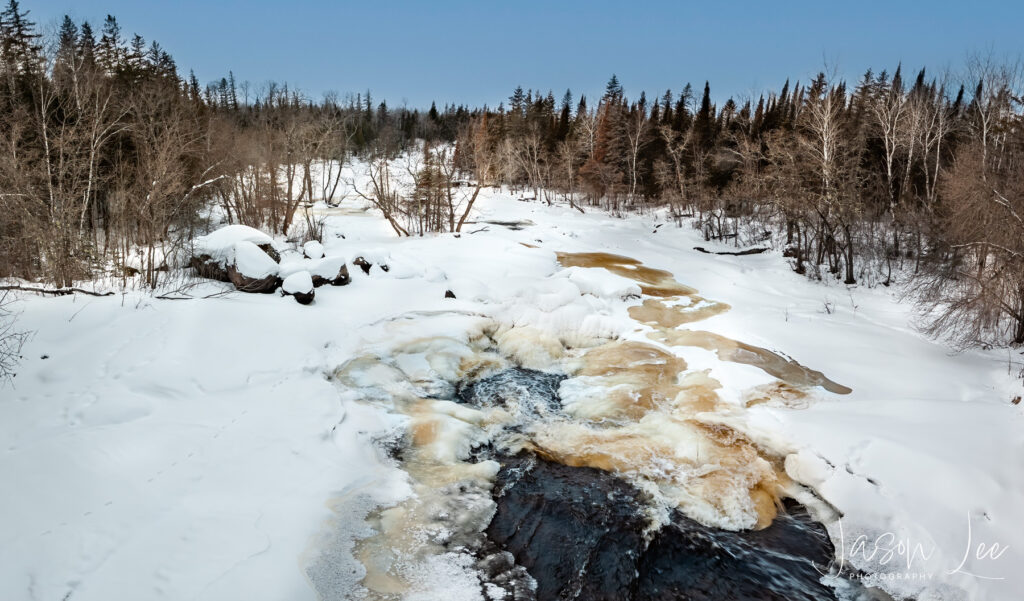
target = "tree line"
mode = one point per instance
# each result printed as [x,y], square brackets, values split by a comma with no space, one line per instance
[110,159]
[110,162]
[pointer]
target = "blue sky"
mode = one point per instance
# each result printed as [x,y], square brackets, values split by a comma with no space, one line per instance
[477,52]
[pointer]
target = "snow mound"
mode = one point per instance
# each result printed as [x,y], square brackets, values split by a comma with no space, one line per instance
[298,283]
[222,241]
[313,249]
[250,260]
[327,267]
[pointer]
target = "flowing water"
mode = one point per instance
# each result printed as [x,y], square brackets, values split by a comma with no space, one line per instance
[616,472]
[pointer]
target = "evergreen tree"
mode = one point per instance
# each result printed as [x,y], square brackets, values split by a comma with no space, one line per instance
[67,52]
[19,43]
[110,49]
[704,121]
[613,91]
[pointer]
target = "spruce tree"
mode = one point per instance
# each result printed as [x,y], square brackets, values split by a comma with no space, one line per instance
[704,121]
[613,91]
[19,43]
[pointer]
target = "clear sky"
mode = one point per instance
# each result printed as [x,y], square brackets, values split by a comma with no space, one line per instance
[477,52]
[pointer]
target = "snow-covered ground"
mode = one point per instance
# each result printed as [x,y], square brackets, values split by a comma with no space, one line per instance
[198,449]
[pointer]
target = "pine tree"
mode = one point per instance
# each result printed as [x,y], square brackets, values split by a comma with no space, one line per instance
[19,43]
[613,91]
[517,101]
[666,108]
[232,91]
[581,107]
[110,49]
[564,117]
[87,46]
[704,121]
[67,52]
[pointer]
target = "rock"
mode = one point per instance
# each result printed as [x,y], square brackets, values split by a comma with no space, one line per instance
[209,267]
[449,294]
[362,264]
[313,250]
[251,269]
[271,251]
[299,285]
[331,270]
[215,252]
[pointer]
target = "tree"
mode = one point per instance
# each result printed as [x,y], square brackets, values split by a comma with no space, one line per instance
[11,338]
[19,43]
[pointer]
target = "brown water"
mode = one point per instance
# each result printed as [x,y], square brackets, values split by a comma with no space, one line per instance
[666,319]
[787,370]
[653,282]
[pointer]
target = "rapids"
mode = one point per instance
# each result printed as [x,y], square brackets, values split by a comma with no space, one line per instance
[547,468]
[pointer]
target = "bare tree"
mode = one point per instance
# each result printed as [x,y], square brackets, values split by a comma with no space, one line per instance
[11,338]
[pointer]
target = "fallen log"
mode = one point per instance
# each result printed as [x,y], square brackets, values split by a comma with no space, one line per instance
[56,291]
[735,253]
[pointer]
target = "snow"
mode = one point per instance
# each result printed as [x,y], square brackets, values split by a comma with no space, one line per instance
[205,449]
[601,283]
[298,282]
[222,240]
[251,261]
[328,267]
[313,249]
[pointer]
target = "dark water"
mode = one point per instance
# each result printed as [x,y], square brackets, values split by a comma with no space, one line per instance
[531,392]
[580,532]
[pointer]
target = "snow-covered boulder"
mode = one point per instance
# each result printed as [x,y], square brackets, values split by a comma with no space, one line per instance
[362,263]
[299,285]
[222,240]
[251,269]
[330,270]
[365,263]
[313,250]
[227,236]
[213,253]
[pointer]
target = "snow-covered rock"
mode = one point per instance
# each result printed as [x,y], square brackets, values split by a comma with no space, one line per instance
[330,270]
[362,263]
[299,285]
[251,269]
[214,253]
[226,237]
[313,250]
